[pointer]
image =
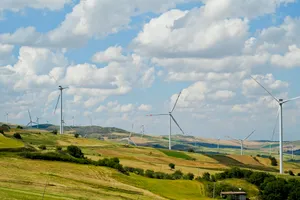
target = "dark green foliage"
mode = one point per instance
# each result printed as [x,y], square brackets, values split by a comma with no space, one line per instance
[54,132]
[188,176]
[149,173]
[58,148]
[76,135]
[273,161]
[191,150]
[291,173]
[275,190]
[218,188]
[19,127]
[5,127]
[2,132]
[17,136]
[298,174]
[75,151]
[172,165]
[206,176]
[42,147]
[177,174]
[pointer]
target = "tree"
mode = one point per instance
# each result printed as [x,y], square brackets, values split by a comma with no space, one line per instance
[177,174]
[291,173]
[188,176]
[172,165]
[42,147]
[191,150]
[75,151]
[19,127]
[206,176]
[54,132]
[17,136]
[273,161]
[76,135]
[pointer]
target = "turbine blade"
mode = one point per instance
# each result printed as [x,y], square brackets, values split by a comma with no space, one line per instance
[248,135]
[291,99]
[177,123]
[28,124]
[132,142]
[265,89]
[176,102]
[153,115]
[57,103]
[29,115]
[235,140]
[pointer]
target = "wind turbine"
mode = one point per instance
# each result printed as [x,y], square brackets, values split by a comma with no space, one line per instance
[30,122]
[37,121]
[280,103]
[143,130]
[171,118]
[60,98]
[242,141]
[128,139]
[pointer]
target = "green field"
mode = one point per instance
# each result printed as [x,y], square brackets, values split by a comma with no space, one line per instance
[22,178]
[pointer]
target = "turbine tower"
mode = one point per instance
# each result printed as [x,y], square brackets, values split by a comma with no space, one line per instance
[171,118]
[60,98]
[37,121]
[143,130]
[280,104]
[242,141]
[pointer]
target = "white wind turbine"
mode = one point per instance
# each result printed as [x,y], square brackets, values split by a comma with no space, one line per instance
[242,141]
[171,118]
[60,98]
[128,139]
[280,103]
[142,130]
[30,123]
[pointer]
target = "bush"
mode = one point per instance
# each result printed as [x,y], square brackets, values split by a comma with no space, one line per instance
[76,135]
[191,150]
[75,151]
[149,173]
[177,174]
[19,127]
[58,148]
[54,132]
[172,166]
[42,147]
[298,174]
[206,176]
[17,136]
[273,161]
[291,173]
[2,132]
[188,176]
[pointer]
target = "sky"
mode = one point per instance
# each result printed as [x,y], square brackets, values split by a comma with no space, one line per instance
[122,60]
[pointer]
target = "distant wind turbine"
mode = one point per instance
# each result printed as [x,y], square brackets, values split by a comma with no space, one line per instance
[242,141]
[171,118]
[60,98]
[280,103]
[30,123]
[128,139]
[142,130]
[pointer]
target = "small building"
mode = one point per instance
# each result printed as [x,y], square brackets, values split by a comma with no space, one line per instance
[234,195]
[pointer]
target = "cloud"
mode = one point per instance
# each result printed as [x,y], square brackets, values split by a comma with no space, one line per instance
[145,107]
[289,60]
[109,55]
[6,56]
[18,5]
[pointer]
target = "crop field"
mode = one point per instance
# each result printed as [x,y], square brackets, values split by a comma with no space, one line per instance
[28,179]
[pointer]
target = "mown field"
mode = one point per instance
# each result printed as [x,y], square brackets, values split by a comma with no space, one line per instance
[22,178]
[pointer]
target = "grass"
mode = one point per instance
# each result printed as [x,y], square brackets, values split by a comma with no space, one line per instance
[176,154]
[252,190]
[6,142]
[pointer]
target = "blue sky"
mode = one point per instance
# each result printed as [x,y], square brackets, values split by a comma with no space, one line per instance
[123,61]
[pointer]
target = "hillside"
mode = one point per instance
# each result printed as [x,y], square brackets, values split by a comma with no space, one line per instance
[27,179]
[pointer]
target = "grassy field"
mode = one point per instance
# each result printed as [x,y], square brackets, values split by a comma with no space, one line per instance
[27,179]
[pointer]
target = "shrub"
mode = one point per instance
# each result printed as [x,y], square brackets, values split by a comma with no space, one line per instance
[76,135]
[17,136]
[188,176]
[42,147]
[291,173]
[75,151]
[5,127]
[54,132]
[2,132]
[58,148]
[206,176]
[172,166]
[191,150]
[273,161]
[298,174]
[149,173]
[177,174]
[19,127]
